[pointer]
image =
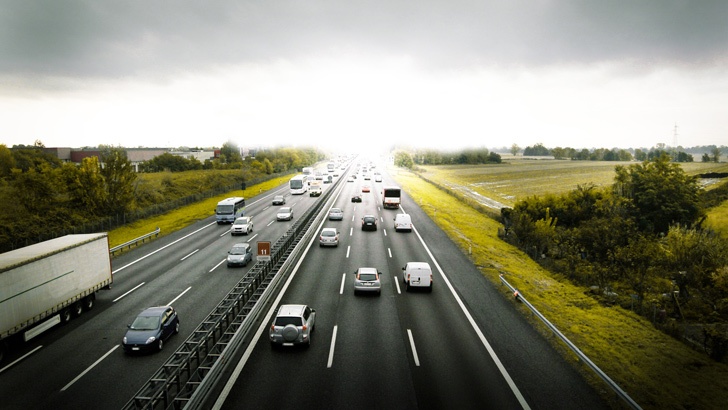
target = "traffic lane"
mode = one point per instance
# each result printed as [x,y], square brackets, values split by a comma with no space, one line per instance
[454,367]
[369,357]
[295,376]
[542,375]
[76,349]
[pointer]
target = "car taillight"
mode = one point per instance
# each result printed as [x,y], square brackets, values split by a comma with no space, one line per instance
[304,327]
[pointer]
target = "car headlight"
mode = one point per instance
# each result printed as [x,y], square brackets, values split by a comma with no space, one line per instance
[151,340]
[123,340]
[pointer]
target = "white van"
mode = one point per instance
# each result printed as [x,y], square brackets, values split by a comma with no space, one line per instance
[418,275]
[403,222]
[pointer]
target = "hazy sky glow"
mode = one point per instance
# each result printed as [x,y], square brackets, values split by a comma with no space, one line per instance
[442,74]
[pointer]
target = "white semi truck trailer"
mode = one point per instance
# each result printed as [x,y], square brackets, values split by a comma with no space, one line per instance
[49,283]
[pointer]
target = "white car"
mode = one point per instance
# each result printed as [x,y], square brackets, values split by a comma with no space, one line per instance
[242,226]
[284,214]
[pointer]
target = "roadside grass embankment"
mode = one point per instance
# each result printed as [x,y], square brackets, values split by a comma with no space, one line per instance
[185,216]
[656,370]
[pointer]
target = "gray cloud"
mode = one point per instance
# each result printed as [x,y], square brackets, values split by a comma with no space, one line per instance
[101,39]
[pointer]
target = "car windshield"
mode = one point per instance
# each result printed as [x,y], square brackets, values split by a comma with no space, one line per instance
[145,323]
[328,233]
[367,276]
[241,221]
[278,198]
[285,210]
[288,320]
[336,211]
[238,250]
[368,219]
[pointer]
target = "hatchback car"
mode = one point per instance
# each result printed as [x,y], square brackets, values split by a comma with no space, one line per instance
[329,237]
[292,325]
[150,329]
[242,226]
[279,200]
[284,214]
[336,214]
[367,280]
[239,255]
[365,188]
[369,223]
[356,198]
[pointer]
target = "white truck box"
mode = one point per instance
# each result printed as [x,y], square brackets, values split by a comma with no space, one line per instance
[50,282]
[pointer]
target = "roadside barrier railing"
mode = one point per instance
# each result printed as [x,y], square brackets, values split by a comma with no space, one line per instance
[584,358]
[134,242]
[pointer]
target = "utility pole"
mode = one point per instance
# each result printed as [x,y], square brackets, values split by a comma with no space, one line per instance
[674,137]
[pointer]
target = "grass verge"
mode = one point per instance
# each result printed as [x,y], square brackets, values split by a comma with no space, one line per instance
[657,371]
[182,217]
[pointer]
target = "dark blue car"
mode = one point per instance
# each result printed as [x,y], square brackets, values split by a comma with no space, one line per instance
[150,329]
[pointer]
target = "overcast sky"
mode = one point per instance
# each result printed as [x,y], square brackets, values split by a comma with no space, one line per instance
[440,74]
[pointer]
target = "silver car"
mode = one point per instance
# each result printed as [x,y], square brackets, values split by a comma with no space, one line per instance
[329,237]
[292,325]
[367,280]
[284,214]
[336,214]
[239,255]
[242,226]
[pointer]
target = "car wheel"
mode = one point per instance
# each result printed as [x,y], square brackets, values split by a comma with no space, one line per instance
[77,309]
[176,328]
[430,288]
[406,287]
[160,345]
[88,302]
[66,315]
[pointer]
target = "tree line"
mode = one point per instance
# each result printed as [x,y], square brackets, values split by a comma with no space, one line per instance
[407,159]
[615,154]
[640,242]
[44,196]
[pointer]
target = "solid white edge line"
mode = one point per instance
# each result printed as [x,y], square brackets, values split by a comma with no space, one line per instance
[18,360]
[343,281]
[266,320]
[414,349]
[129,291]
[89,368]
[475,327]
[330,362]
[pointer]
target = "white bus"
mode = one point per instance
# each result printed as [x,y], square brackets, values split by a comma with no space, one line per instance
[391,196]
[307,170]
[228,209]
[299,185]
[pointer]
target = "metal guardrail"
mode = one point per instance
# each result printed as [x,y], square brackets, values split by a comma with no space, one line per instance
[614,386]
[134,241]
[190,375]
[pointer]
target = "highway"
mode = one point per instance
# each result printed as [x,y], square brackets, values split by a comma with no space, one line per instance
[462,346]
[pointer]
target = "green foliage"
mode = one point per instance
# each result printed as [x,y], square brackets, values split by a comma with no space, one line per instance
[119,176]
[641,236]
[660,194]
[403,160]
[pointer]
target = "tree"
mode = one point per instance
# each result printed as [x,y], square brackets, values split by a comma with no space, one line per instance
[660,194]
[403,160]
[119,177]
[515,149]
[716,154]
[86,186]
[7,162]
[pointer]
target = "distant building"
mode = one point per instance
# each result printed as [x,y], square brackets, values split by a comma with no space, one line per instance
[135,155]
